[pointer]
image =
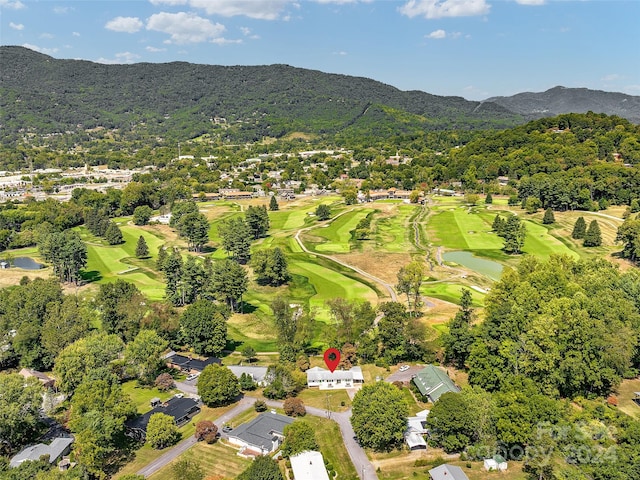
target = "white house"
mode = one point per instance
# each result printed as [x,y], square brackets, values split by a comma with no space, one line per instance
[308,466]
[416,429]
[327,380]
[497,463]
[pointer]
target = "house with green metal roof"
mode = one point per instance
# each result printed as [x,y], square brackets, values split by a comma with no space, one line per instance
[433,381]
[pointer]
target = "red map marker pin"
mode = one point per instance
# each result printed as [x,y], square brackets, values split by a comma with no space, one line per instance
[332,358]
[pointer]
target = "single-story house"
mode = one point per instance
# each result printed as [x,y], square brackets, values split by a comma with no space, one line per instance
[264,433]
[187,363]
[55,450]
[433,381]
[447,472]
[181,409]
[256,373]
[325,379]
[46,381]
[308,466]
[497,463]
[416,429]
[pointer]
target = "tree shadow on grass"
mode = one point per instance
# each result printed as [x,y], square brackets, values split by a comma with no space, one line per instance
[92,276]
[247,308]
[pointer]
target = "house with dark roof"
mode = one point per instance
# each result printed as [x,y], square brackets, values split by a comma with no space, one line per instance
[187,363]
[263,434]
[433,381]
[447,472]
[55,450]
[181,409]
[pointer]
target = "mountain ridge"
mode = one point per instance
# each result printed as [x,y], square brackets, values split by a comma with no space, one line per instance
[41,94]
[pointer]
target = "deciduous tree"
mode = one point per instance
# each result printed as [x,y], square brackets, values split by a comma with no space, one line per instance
[262,468]
[20,402]
[162,431]
[218,386]
[203,326]
[379,417]
[299,437]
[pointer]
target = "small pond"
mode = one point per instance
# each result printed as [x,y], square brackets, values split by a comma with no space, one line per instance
[27,263]
[488,268]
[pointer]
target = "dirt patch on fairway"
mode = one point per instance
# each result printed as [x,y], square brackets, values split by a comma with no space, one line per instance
[382,265]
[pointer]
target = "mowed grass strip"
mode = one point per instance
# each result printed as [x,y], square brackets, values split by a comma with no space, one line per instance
[393,232]
[109,262]
[330,284]
[463,229]
[218,461]
[338,232]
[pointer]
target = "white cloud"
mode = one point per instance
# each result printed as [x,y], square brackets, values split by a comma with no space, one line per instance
[247,33]
[16,26]
[343,2]
[46,51]
[124,24]
[76,34]
[531,2]
[61,10]
[155,49]
[13,5]
[258,9]
[437,34]
[342,53]
[185,27]
[444,8]
[612,77]
[124,57]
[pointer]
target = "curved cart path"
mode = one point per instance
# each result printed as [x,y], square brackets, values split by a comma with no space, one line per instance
[388,287]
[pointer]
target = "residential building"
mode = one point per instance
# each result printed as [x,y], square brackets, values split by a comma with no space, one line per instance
[256,373]
[55,450]
[187,363]
[447,472]
[264,434]
[416,429]
[308,466]
[46,381]
[182,409]
[325,379]
[433,381]
[497,463]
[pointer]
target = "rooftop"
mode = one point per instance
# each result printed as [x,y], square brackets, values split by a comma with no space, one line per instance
[308,466]
[189,363]
[178,408]
[55,449]
[260,431]
[433,382]
[447,472]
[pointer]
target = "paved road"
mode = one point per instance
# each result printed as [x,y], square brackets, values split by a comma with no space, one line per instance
[244,404]
[365,468]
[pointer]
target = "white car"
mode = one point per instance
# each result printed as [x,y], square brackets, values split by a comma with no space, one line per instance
[192,376]
[404,368]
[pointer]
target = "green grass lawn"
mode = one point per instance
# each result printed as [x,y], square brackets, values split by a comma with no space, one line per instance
[451,292]
[329,284]
[218,461]
[337,234]
[106,263]
[331,400]
[141,396]
[393,233]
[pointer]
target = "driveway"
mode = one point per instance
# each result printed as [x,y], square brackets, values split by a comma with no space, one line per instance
[363,466]
[404,376]
[186,444]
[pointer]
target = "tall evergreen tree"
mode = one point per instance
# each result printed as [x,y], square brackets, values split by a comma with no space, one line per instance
[549,217]
[113,235]
[273,204]
[498,225]
[514,235]
[257,219]
[488,199]
[236,238]
[142,250]
[593,237]
[162,257]
[579,229]
[457,343]
[173,274]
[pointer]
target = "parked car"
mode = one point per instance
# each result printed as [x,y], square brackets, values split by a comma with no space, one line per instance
[227,428]
[192,376]
[404,368]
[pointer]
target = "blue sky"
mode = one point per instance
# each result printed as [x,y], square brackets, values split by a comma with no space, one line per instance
[469,48]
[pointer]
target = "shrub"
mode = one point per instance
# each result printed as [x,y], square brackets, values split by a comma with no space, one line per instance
[260,406]
[207,431]
[164,382]
[294,407]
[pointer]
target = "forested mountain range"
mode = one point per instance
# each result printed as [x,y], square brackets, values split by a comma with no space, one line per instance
[558,100]
[46,95]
